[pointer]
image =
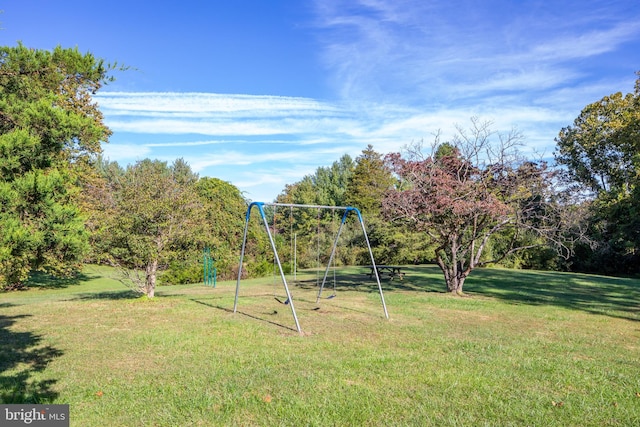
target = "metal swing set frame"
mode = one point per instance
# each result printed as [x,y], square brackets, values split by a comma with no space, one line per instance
[289,300]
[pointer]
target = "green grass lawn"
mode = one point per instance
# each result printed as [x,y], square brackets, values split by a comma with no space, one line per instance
[525,349]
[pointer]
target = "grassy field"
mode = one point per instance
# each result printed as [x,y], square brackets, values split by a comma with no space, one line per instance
[525,349]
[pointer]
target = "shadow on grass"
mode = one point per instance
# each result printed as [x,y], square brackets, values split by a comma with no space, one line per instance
[21,355]
[337,303]
[610,296]
[416,279]
[252,316]
[108,295]
[41,280]
[7,305]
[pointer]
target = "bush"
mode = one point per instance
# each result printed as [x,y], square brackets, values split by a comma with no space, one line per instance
[182,273]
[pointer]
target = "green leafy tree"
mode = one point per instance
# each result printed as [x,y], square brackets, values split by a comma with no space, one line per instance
[370,180]
[225,209]
[327,186]
[331,183]
[601,155]
[156,216]
[601,149]
[50,131]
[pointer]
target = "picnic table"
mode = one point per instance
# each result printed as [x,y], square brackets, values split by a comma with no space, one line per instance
[392,271]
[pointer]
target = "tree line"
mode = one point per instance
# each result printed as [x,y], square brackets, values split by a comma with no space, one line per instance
[464,203]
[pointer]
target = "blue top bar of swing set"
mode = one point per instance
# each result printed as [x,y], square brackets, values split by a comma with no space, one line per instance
[294,205]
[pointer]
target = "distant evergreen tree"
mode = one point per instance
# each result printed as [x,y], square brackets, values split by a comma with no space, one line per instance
[370,180]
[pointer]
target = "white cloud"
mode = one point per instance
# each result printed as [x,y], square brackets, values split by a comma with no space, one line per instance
[240,158]
[314,141]
[211,142]
[184,126]
[585,44]
[221,115]
[141,103]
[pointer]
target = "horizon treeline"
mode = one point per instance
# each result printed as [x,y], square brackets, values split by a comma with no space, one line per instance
[63,205]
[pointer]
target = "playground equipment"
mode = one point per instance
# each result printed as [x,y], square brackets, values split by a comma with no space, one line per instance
[289,300]
[209,268]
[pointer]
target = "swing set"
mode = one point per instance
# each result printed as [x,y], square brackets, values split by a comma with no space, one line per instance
[289,300]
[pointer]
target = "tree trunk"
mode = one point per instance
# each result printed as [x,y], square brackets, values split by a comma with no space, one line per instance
[455,284]
[150,288]
[454,275]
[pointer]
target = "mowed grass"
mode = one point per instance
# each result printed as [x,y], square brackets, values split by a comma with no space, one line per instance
[524,349]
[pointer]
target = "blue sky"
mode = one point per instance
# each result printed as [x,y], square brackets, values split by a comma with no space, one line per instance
[260,93]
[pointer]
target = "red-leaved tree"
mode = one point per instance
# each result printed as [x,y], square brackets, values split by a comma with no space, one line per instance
[466,192]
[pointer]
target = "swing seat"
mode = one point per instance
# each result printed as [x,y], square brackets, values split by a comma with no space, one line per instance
[331,296]
[285,302]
